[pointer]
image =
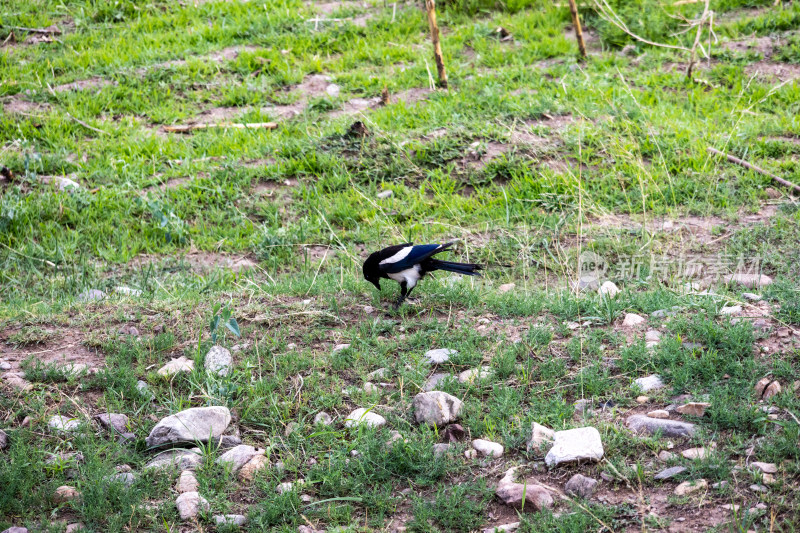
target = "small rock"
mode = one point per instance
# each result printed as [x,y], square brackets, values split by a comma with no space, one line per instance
[453,433]
[239,456]
[187,482]
[471,453]
[440,449]
[689,487]
[694,453]
[190,504]
[249,470]
[658,413]
[582,407]
[17,381]
[436,408]
[370,388]
[750,281]
[731,507]
[668,428]
[648,383]
[488,448]
[378,374]
[5,366]
[586,283]
[190,425]
[128,330]
[143,388]
[575,445]
[364,417]
[541,438]
[505,528]
[323,418]
[226,442]
[632,320]
[230,520]
[766,388]
[433,382]
[333,90]
[758,488]
[732,310]
[439,355]
[670,473]
[340,347]
[126,478]
[91,295]
[642,399]
[662,313]
[219,361]
[665,456]
[384,194]
[694,408]
[751,297]
[513,494]
[506,287]
[181,364]
[65,493]
[767,468]
[475,374]
[720,485]
[3,440]
[179,458]
[16,529]
[652,336]
[608,289]
[127,291]
[64,424]
[580,486]
[288,486]
[116,421]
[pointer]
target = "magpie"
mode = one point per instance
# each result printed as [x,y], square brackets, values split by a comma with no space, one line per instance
[407,264]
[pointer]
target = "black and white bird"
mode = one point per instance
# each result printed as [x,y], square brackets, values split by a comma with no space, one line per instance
[407,264]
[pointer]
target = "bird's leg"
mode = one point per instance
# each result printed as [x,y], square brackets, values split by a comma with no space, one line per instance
[403,293]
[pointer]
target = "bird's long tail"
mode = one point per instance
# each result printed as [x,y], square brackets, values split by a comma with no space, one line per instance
[468,269]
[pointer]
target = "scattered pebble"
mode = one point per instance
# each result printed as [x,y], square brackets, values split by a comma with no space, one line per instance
[658,413]
[642,399]
[580,486]
[750,281]
[670,473]
[719,485]
[65,493]
[506,287]
[436,408]
[751,297]
[575,445]
[608,289]
[439,355]
[665,456]
[126,478]
[766,388]
[289,486]
[488,448]
[648,383]
[433,382]
[440,449]
[218,361]
[689,487]
[364,417]
[695,453]
[758,488]
[513,494]
[190,504]
[652,336]
[64,424]
[381,373]
[732,310]
[230,520]
[475,374]
[340,347]
[632,320]
[178,458]
[238,456]
[323,418]
[91,295]
[116,421]
[767,468]
[668,428]
[249,470]
[196,424]
[384,194]
[187,482]
[3,440]
[181,364]
[541,437]
[505,528]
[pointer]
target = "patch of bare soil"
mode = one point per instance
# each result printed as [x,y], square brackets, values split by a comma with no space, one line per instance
[19,106]
[792,139]
[66,348]
[355,106]
[216,115]
[82,85]
[199,261]
[226,54]
[762,45]
[172,183]
[741,14]
[773,71]
[411,96]
[273,188]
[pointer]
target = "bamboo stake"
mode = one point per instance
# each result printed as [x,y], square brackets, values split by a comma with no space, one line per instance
[576,21]
[430,5]
[745,164]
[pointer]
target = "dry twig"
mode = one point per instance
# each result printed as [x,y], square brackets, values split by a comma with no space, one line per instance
[191,127]
[734,159]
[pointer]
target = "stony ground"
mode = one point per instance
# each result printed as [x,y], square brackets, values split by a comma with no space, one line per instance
[186,343]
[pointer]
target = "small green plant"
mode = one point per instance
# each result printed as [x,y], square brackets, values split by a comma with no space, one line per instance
[222,316]
[173,227]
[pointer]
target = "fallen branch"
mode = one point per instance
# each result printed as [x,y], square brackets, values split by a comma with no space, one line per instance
[430,6]
[47,30]
[576,21]
[734,159]
[191,127]
[85,125]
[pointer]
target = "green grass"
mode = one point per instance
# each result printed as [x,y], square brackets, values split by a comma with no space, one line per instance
[584,151]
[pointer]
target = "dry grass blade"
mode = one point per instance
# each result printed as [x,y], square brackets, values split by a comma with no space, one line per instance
[223,125]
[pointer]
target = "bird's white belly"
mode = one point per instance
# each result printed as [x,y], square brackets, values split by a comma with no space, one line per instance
[410,275]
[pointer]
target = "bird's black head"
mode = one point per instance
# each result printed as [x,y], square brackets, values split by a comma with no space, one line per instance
[372,271]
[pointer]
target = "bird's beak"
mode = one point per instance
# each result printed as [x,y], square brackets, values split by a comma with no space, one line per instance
[377,284]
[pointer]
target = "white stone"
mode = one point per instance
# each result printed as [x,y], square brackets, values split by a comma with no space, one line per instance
[732,310]
[181,364]
[658,413]
[632,320]
[688,487]
[505,528]
[751,281]
[218,361]
[575,445]
[323,418]
[187,482]
[289,486]
[439,355]
[333,90]
[64,423]
[340,347]
[608,289]
[178,458]
[750,297]
[506,287]
[238,456]
[91,295]
[436,408]
[230,520]
[127,291]
[649,383]
[652,336]
[190,504]
[384,194]
[475,374]
[364,417]
[488,448]
[196,424]
[541,437]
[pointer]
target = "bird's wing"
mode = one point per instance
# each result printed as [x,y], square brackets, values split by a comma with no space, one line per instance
[408,256]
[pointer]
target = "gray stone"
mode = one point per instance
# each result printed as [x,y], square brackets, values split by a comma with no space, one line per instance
[668,428]
[190,504]
[652,336]
[16,380]
[648,383]
[181,459]
[767,468]
[750,281]
[665,456]
[239,456]
[230,520]
[364,417]
[91,295]
[433,382]
[505,528]
[226,442]
[513,494]
[475,374]
[750,297]
[127,291]
[65,493]
[218,361]
[436,408]
[689,487]
[440,449]
[662,313]
[143,388]
[580,486]
[3,440]
[64,424]
[732,310]
[16,529]
[632,320]
[197,424]
[5,365]
[323,418]
[384,194]
[117,422]
[187,482]
[541,438]
[668,473]
[582,407]
[758,488]
[575,445]
[126,478]
[340,347]
[378,374]
[439,355]
[175,366]
[488,448]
